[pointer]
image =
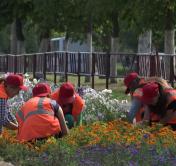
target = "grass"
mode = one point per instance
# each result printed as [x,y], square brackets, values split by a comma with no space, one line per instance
[118,89]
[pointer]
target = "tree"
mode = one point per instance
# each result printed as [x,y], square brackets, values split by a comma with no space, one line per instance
[45,17]
[19,12]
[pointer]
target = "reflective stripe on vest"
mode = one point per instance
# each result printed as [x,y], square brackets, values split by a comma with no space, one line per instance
[39,111]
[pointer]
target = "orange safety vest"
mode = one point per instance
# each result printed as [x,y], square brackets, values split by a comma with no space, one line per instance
[78,103]
[36,119]
[171,96]
[138,94]
[3,94]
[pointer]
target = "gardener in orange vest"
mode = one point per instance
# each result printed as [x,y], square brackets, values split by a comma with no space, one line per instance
[159,105]
[72,104]
[134,84]
[9,87]
[40,117]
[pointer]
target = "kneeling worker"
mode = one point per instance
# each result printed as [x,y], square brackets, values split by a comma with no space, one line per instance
[71,103]
[134,84]
[159,105]
[9,87]
[40,117]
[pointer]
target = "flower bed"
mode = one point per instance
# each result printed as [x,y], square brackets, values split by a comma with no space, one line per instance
[106,138]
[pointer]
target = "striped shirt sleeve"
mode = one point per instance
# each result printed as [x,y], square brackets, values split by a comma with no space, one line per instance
[5,114]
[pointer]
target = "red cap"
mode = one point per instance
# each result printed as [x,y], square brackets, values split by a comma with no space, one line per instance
[150,91]
[41,90]
[16,81]
[66,93]
[128,79]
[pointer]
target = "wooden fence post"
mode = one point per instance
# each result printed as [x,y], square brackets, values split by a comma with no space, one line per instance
[34,65]
[172,70]
[44,66]
[15,64]
[79,69]
[7,63]
[55,67]
[93,69]
[137,63]
[108,56]
[25,64]
[66,66]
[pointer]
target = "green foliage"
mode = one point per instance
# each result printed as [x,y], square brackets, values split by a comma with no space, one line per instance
[6,11]
[155,15]
[119,18]
[18,154]
[60,154]
[31,42]
[5,40]
[14,152]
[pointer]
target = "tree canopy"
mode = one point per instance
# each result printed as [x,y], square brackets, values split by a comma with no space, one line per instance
[74,18]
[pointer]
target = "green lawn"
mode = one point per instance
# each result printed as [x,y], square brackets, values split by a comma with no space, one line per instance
[118,88]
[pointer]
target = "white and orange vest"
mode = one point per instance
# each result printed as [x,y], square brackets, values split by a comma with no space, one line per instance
[138,93]
[78,103]
[3,94]
[36,119]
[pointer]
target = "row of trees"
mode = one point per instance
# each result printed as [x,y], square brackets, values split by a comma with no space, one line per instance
[100,23]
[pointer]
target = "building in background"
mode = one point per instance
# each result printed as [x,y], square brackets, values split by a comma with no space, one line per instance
[57,44]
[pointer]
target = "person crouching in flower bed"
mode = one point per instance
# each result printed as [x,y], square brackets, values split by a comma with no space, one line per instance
[134,84]
[9,87]
[72,104]
[40,117]
[159,105]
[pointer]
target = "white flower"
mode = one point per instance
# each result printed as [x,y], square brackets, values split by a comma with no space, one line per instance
[124,101]
[107,91]
[26,75]
[35,81]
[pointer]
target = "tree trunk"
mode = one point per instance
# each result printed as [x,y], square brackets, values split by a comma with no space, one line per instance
[145,42]
[113,59]
[114,47]
[144,46]
[20,37]
[13,39]
[169,45]
[66,42]
[17,37]
[44,42]
[169,42]
[89,42]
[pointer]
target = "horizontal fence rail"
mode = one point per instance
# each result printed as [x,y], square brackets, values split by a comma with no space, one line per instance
[90,65]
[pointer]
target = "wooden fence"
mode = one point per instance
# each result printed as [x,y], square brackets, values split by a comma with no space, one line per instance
[85,64]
